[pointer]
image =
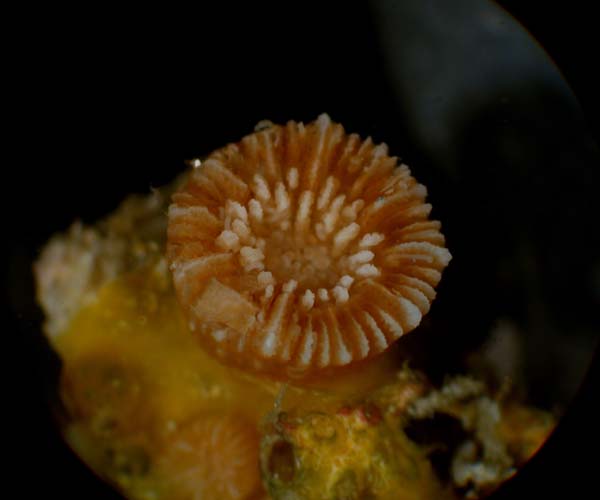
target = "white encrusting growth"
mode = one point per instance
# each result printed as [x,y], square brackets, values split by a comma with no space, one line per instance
[326,255]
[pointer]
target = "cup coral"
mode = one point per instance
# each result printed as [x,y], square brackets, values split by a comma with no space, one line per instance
[302,249]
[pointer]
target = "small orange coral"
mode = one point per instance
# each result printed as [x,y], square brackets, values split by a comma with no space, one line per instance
[214,456]
[303,248]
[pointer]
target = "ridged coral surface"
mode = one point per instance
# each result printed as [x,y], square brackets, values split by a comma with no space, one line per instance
[303,249]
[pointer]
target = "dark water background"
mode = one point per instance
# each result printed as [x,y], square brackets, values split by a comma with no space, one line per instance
[112,102]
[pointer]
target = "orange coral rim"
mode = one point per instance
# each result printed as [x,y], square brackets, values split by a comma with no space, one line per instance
[302,248]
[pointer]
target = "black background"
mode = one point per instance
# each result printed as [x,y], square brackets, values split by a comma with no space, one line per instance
[107,102]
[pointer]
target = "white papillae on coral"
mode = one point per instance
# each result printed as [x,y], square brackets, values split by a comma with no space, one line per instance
[371,240]
[228,240]
[265,278]
[251,259]
[323,294]
[340,294]
[318,242]
[346,281]
[308,299]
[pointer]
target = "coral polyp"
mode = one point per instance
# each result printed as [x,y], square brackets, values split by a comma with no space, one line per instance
[214,456]
[302,249]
